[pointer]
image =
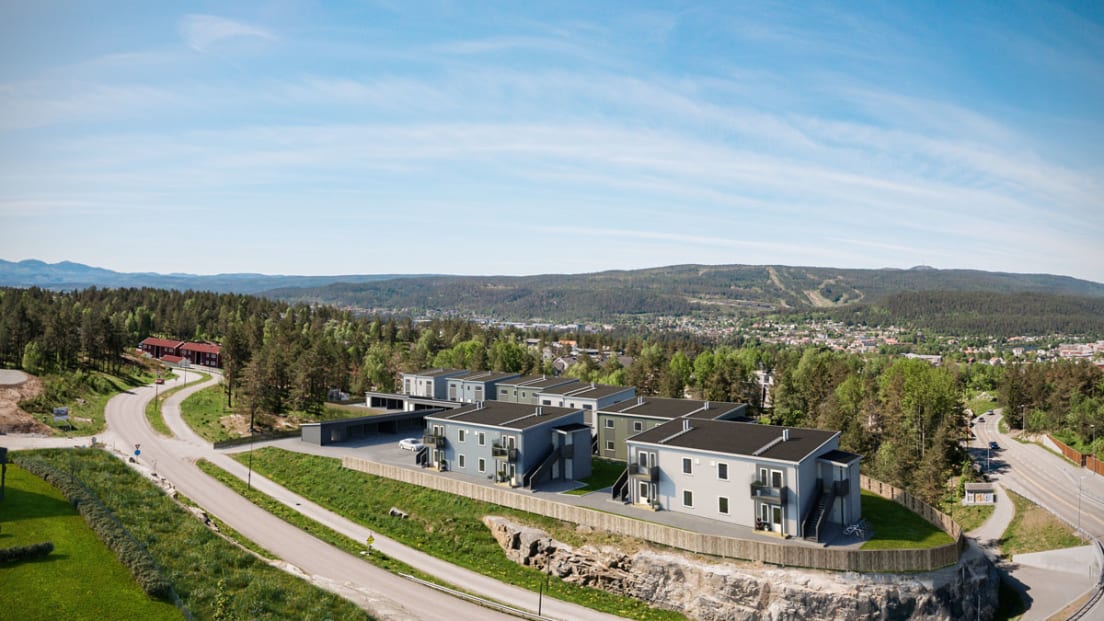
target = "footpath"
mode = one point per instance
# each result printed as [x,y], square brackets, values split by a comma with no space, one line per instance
[1046,581]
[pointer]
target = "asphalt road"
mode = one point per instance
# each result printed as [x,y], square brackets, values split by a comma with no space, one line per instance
[382,594]
[1046,479]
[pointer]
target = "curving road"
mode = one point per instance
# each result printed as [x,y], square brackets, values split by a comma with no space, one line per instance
[1074,494]
[382,594]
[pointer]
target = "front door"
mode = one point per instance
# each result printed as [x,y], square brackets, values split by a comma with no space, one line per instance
[770,518]
[643,497]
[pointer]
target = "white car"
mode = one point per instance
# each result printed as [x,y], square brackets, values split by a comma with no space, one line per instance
[411,444]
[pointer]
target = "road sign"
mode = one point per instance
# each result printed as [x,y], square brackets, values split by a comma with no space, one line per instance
[137,452]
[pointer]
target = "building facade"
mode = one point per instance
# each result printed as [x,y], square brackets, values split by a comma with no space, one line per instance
[476,386]
[527,389]
[588,397]
[619,421]
[787,481]
[511,443]
[430,383]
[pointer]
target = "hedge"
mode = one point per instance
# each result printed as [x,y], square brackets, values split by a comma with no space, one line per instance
[24,553]
[107,527]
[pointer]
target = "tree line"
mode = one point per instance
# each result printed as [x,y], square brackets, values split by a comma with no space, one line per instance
[906,417]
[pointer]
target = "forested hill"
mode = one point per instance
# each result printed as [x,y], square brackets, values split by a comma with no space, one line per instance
[993,314]
[675,290]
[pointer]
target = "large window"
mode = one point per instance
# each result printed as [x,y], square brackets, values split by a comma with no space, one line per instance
[687,498]
[722,471]
[687,466]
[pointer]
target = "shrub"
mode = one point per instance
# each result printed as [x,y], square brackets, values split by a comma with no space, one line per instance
[24,553]
[99,518]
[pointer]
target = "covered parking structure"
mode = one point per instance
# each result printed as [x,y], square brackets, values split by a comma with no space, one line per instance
[349,429]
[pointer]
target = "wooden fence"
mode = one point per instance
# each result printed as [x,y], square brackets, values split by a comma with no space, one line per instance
[777,553]
[1085,461]
[260,437]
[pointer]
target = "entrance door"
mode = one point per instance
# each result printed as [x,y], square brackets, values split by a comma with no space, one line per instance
[643,498]
[770,517]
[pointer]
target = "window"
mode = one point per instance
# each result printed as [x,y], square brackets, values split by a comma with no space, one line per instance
[722,505]
[586,406]
[609,423]
[460,460]
[722,473]
[638,425]
[776,478]
[546,402]
[461,434]
[482,464]
[609,445]
[482,438]
[687,466]
[687,498]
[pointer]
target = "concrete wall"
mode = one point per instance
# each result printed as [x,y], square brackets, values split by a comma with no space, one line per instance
[776,553]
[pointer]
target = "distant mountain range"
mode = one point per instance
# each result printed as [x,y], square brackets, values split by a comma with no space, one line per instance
[614,296]
[67,275]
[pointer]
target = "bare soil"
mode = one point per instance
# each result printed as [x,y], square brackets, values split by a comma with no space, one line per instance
[12,418]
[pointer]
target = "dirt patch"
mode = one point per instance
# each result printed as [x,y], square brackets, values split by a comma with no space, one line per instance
[12,418]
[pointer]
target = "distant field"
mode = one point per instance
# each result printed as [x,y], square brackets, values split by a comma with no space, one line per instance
[81,579]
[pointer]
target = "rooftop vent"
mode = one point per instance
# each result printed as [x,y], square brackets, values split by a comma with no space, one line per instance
[785,435]
[540,411]
[686,424]
[479,405]
[706,406]
[640,400]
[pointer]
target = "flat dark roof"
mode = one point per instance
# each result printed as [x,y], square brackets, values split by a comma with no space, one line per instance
[484,376]
[736,438]
[839,457]
[539,381]
[666,407]
[505,414]
[439,372]
[586,391]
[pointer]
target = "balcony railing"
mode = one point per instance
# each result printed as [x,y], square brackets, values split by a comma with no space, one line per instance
[765,491]
[841,488]
[510,454]
[433,440]
[648,473]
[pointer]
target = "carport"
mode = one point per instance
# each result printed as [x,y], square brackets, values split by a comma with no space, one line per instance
[348,429]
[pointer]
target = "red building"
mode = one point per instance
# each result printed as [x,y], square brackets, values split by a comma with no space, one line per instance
[203,354]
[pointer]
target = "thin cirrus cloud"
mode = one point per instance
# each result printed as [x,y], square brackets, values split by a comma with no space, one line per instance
[200,32]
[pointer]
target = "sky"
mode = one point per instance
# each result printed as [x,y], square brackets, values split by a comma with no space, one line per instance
[552,137]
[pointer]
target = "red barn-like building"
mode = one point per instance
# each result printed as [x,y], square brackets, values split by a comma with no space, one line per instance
[204,354]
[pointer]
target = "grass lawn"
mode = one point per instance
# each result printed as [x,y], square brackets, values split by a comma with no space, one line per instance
[213,577]
[603,473]
[81,579]
[440,524]
[204,412]
[895,527]
[979,406]
[968,517]
[1035,529]
[153,408]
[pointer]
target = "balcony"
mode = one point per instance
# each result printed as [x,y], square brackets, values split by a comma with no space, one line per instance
[644,473]
[433,441]
[764,491]
[499,451]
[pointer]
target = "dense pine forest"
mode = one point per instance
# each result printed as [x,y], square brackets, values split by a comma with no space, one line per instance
[905,416]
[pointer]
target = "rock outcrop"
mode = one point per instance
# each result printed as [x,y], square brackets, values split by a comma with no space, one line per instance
[742,591]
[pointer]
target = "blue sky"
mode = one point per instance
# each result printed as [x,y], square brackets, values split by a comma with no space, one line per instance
[524,138]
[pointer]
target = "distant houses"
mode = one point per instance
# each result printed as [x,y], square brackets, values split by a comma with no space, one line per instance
[174,352]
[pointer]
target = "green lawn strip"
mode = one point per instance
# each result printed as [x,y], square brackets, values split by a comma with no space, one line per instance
[980,406]
[895,527]
[1034,529]
[968,517]
[446,526]
[153,408]
[306,524]
[603,473]
[191,556]
[81,579]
